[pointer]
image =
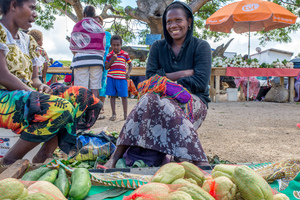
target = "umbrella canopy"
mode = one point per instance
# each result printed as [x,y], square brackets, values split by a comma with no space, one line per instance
[250,15]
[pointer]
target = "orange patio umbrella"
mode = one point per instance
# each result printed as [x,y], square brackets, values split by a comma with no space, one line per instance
[248,16]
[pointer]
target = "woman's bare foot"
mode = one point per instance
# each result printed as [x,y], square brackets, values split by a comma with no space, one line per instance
[201,163]
[111,163]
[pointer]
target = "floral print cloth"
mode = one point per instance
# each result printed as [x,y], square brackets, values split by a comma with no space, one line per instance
[254,86]
[160,124]
[38,117]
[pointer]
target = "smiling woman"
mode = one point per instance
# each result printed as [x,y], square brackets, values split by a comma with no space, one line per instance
[167,116]
[27,106]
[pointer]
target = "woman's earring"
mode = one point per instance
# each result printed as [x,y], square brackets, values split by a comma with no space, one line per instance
[189,27]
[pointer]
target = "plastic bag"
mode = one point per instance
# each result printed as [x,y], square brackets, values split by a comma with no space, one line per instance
[91,146]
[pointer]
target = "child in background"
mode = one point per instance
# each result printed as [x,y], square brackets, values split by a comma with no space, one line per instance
[42,69]
[117,77]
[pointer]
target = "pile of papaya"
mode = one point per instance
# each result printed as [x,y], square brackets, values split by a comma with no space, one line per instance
[78,189]
[185,181]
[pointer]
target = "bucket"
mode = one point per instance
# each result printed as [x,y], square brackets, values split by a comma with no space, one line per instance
[8,138]
[232,94]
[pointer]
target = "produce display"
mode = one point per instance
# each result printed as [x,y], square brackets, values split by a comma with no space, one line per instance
[173,181]
[185,181]
[237,61]
[47,184]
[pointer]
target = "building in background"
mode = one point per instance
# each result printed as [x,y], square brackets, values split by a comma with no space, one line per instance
[270,55]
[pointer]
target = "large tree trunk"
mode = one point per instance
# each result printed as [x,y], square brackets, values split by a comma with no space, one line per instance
[149,11]
[136,54]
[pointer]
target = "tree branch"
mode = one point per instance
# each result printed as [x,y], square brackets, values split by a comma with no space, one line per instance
[70,15]
[136,14]
[197,4]
[107,7]
[292,4]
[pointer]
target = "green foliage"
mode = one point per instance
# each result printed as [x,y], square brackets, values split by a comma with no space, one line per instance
[129,27]
[66,62]
[124,31]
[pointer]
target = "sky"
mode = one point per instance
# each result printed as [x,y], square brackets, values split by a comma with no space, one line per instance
[57,46]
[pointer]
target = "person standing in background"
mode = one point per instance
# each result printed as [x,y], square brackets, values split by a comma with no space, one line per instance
[102,91]
[116,77]
[43,67]
[88,46]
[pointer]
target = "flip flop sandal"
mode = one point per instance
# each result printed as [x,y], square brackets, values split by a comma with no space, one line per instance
[112,118]
[101,117]
[139,164]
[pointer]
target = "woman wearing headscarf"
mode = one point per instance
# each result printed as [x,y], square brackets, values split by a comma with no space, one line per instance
[168,114]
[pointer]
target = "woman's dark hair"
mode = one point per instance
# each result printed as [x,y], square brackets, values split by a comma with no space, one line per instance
[178,5]
[89,11]
[116,37]
[5,4]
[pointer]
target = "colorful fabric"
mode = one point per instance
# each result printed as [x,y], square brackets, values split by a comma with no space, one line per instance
[131,87]
[84,60]
[254,86]
[161,124]
[118,68]
[41,51]
[116,87]
[166,88]
[88,36]
[104,74]
[18,63]
[38,117]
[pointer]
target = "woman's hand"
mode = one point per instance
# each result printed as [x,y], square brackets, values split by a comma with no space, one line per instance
[45,88]
[174,76]
[188,72]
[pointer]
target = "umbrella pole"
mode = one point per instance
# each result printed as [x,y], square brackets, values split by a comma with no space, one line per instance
[248,58]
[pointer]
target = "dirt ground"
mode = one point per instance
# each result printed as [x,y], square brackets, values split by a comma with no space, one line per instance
[241,131]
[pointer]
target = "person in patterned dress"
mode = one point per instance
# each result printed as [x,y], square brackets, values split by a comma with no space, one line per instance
[164,122]
[27,106]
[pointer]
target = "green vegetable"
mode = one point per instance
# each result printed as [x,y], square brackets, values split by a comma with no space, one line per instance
[62,182]
[34,175]
[49,176]
[81,184]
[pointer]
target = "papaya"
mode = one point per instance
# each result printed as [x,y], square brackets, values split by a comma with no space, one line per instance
[179,195]
[38,196]
[195,191]
[251,185]
[47,188]
[223,170]
[168,173]
[221,187]
[193,172]
[281,196]
[10,188]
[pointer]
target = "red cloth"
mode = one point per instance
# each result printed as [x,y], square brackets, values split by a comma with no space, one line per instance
[246,72]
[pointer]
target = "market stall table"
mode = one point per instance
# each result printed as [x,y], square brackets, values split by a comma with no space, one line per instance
[247,72]
[136,71]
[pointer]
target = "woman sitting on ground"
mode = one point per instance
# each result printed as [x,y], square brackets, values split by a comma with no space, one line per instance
[28,107]
[159,125]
